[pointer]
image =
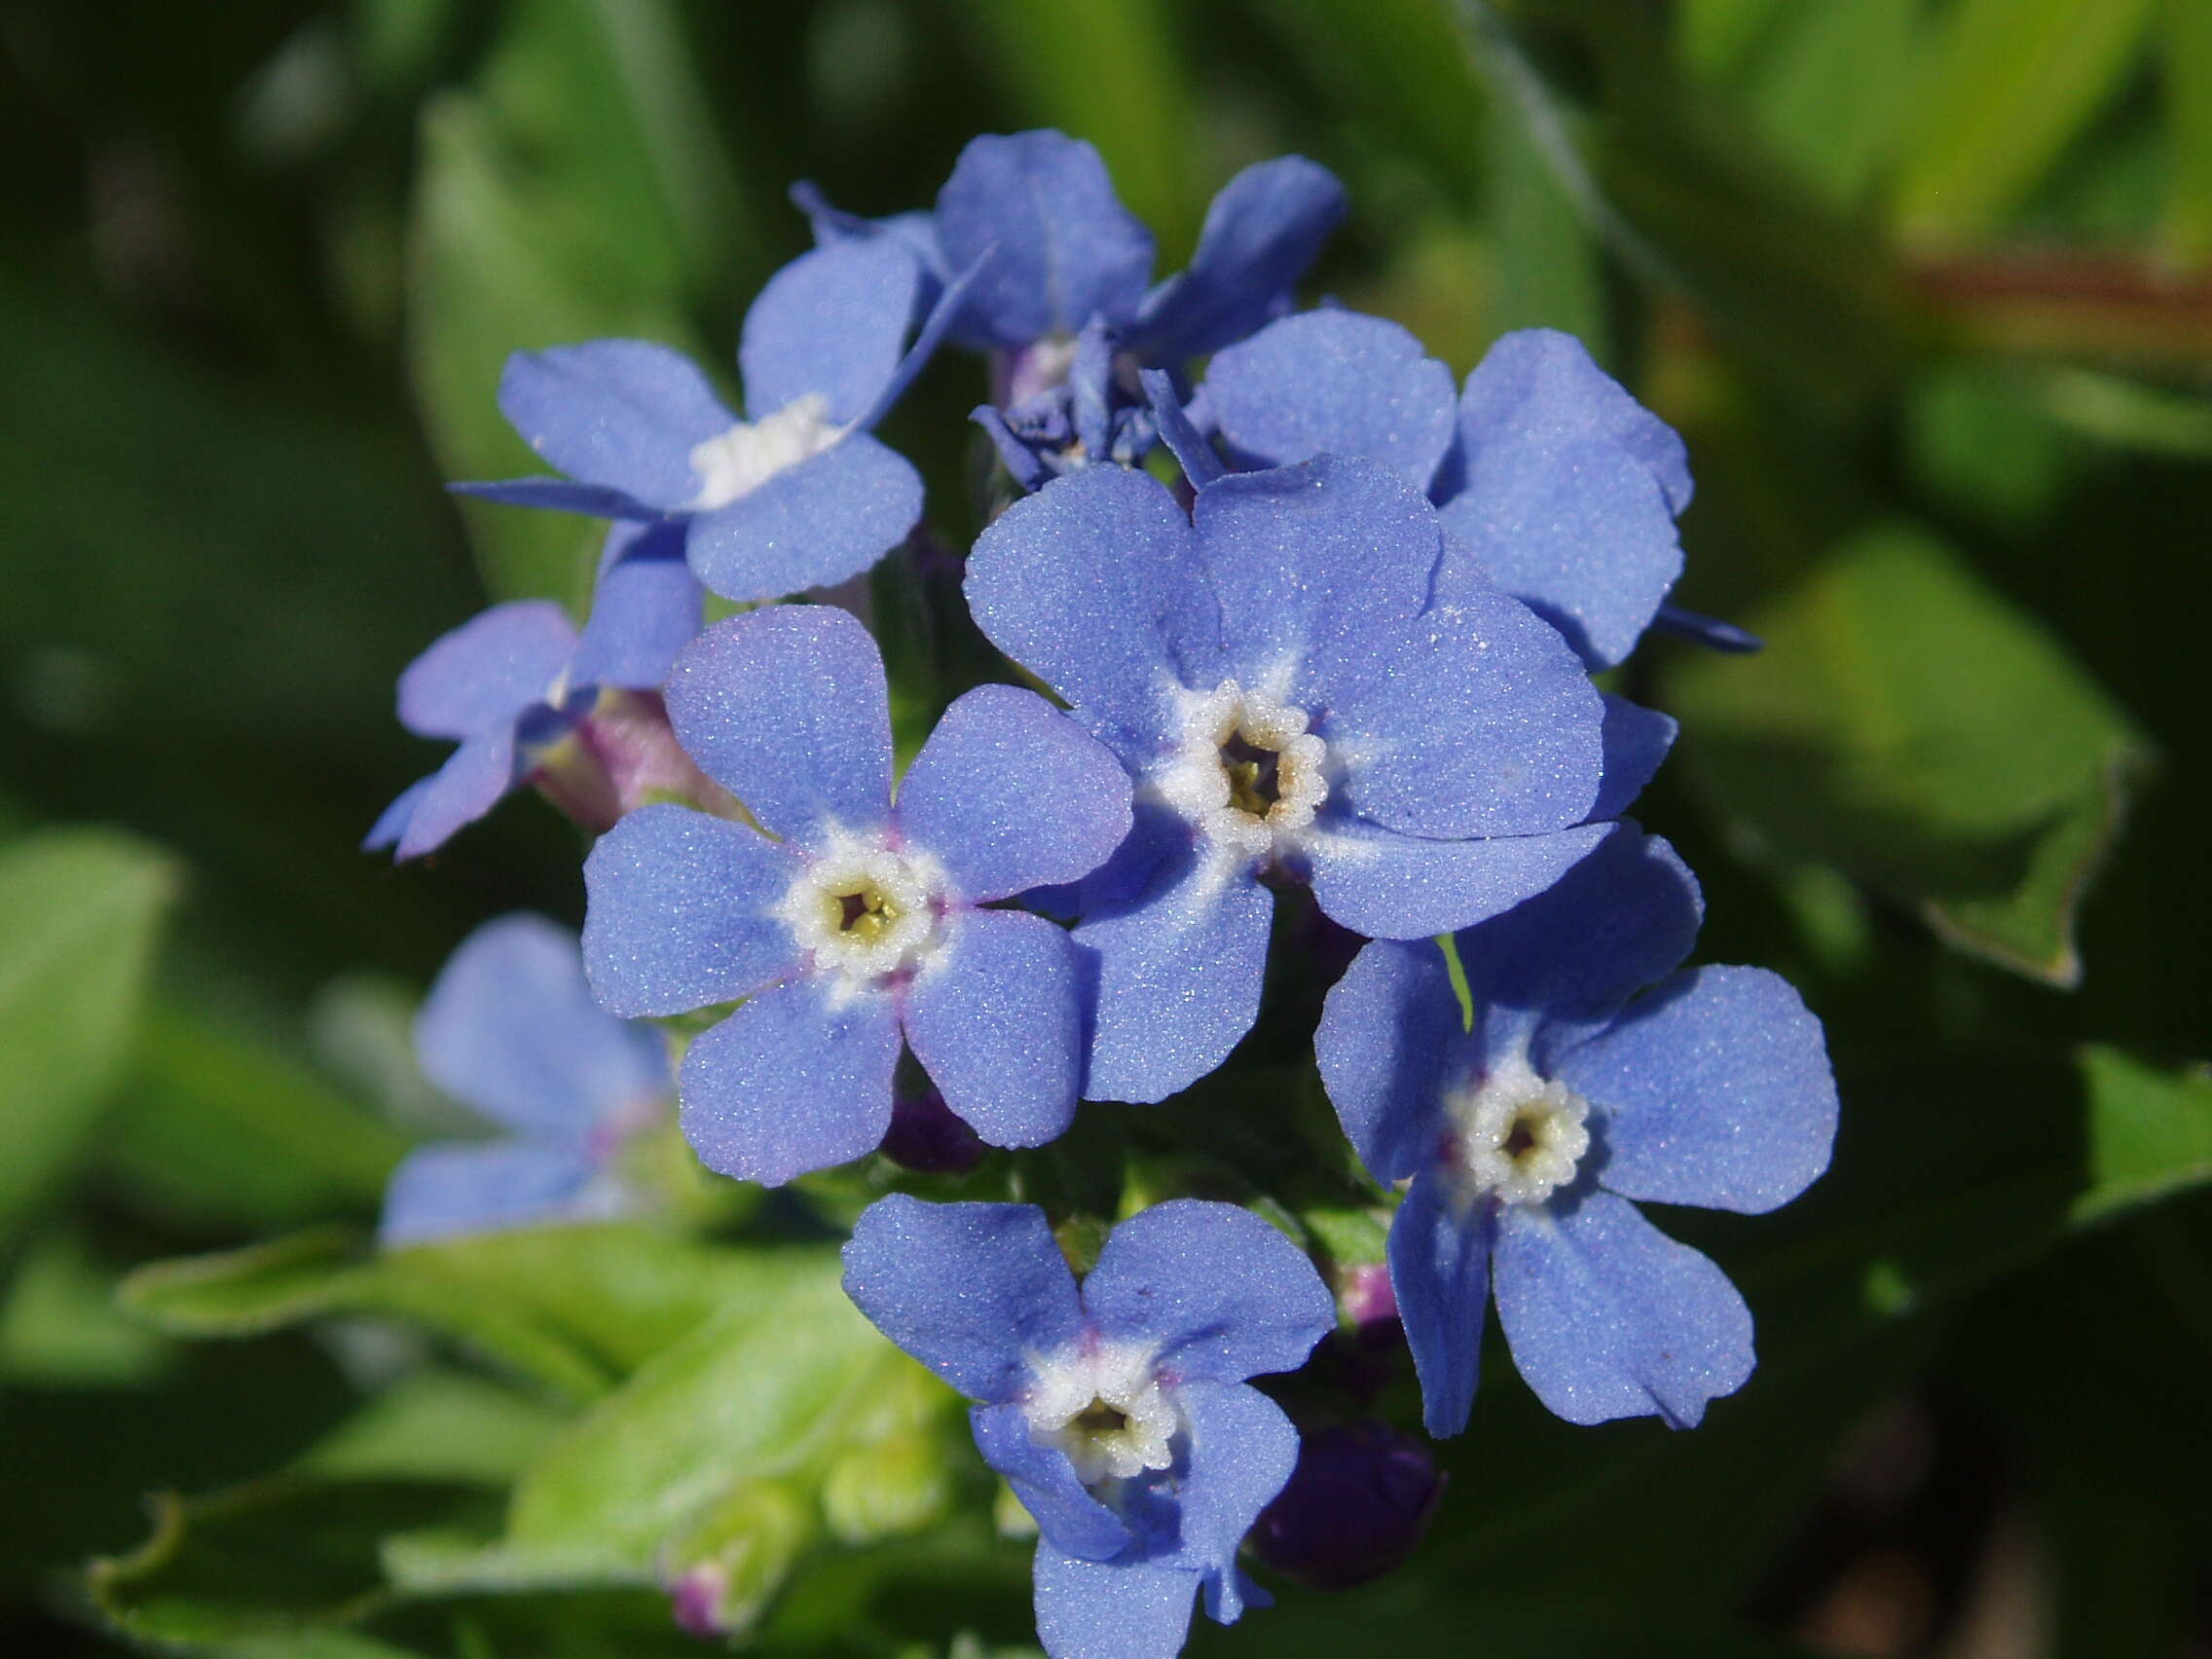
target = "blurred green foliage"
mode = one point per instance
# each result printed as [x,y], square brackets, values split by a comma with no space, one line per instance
[1926,283]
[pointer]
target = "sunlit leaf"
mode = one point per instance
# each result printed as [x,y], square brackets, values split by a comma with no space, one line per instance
[1912,726]
[2150,1131]
[2010,83]
[80,912]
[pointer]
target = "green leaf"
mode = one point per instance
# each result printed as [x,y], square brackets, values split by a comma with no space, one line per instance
[575,1309]
[436,1425]
[2010,83]
[581,193]
[2184,66]
[80,912]
[1548,269]
[219,1128]
[1830,85]
[1911,726]
[59,1327]
[1400,67]
[2150,1131]
[1715,37]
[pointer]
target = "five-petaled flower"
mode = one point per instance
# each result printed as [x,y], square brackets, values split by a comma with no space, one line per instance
[531,700]
[510,1030]
[854,921]
[1303,685]
[797,494]
[1526,1133]
[1118,1412]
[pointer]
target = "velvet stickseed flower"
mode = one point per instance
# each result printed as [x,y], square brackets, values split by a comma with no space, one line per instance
[1292,702]
[1528,1137]
[1118,1413]
[856,923]
[510,1030]
[797,494]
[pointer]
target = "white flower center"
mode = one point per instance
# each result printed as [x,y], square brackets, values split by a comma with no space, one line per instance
[865,912]
[750,453]
[1516,1136]
[1247,772]
[1103,1407]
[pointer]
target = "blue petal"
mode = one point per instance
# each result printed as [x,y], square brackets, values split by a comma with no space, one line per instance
[1708,631]
[1469,719]
[966,1289]
[1062,247]
[1333,382]
[1189,446]
[996,1019]
[1556,508]
[1261,233]
[1242,1450]
[510,1028]
[1636,740]
[471,781]
[1044,1480]
[626,414]
[645,609]
[1020,461]
[1609,1318]
[799,1078]
[833,323]
[1091,585]
[479,677]
[681,912]
[786,709]
[1386,885]
[1440,1268]
[1095,1610]
[1218,1293]
[915,231]
[391,822]
[813,525]
[1387,1034]
[558,494]
[1715,1089]
[1539,377]
[1308,561]
[451,1189]
[1624,916]
[1178,975]
[1009,794]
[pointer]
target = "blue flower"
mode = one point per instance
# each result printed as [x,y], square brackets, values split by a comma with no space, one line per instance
[795,495]
[530,700]
[1293,701]
[860,922]
[1527,1135]
[1118,1413]
[1560,486]
[1063,296]
[511,1030]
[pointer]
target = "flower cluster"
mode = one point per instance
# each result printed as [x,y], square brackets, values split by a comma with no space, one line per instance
[1320,628]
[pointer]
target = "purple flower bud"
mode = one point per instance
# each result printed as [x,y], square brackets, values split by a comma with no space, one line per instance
[1361,1498]
[621,756]
[927,1138]
[694,1601]
[1371,1305]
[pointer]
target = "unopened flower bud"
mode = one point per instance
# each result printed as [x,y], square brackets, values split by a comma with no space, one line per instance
[723,1573]
[927,1138]
[1360,1499]
[621,755]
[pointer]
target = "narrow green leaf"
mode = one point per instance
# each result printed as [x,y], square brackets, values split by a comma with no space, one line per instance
[2010,83]
[1830,85]
[1548,270]
[436,1425]
[574,1309]
[2184,66]
[80,912]
[1400,67]
[1714,38]
[2150,1131]
[1910,725]
[218,1126]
